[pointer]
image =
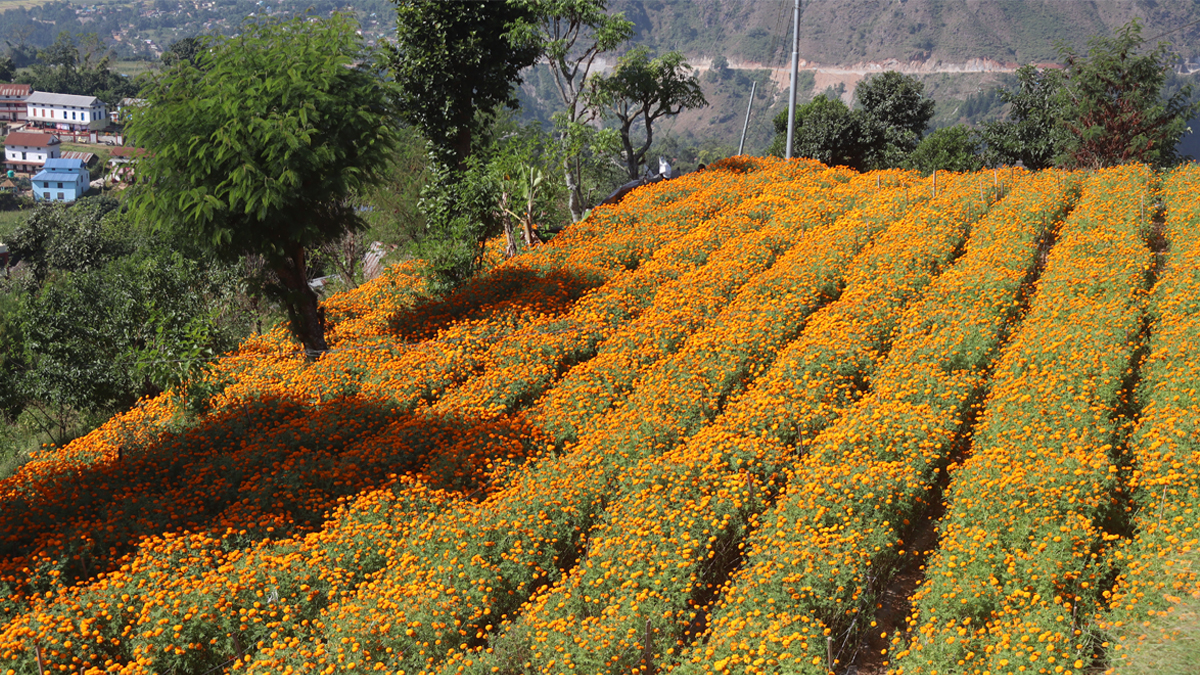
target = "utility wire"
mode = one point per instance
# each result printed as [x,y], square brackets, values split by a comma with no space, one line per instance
[1173,30]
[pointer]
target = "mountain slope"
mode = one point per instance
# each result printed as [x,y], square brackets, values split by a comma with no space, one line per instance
[845,32]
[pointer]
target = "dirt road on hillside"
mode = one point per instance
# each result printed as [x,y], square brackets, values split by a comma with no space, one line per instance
[831,76]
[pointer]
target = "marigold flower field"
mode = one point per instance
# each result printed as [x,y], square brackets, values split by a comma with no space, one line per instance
[773,417]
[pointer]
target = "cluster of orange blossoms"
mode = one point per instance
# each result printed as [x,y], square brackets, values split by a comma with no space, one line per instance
[697,432]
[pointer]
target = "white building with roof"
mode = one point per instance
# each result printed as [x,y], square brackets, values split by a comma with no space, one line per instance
[12,102]
[27,151]
[65,112]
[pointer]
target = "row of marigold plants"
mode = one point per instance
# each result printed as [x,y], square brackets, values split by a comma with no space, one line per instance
[676,521]
[1157,562]
[1015,582]
[279,447]
[467,570]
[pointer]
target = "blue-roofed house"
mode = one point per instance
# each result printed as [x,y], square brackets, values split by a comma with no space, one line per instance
[61,180]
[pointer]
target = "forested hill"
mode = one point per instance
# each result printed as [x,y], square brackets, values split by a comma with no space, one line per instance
[844,32]
[833,32]
[960,51]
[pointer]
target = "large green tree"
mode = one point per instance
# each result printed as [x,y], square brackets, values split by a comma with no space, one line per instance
[640,91]
[1113,104]
[454,64]
[953,148]
[826,130]
[572,34]
[1033,132]
[892,115]
[258,148]
[895,113]
[186,49]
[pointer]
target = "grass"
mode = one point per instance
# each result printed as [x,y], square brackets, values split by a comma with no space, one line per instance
[100,150]
[129,68]
[10,221]
[6,5]
[1172,646]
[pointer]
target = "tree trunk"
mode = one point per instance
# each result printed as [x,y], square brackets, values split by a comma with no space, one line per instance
[510,241]
[574,194]
[531,239]
[631,161]
[307,319]
[527,220]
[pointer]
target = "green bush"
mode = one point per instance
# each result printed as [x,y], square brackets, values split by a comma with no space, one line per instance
[460,214]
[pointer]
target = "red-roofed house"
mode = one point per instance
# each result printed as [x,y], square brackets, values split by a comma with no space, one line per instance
[27,151]
[12,101]
[121,161]
[88,158]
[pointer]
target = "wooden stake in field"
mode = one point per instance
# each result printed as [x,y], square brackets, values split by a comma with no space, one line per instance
[648,649]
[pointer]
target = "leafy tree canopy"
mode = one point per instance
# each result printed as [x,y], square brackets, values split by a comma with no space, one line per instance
[1113,105]
[77,239]
[897,100]
[100,312]
[187,49]
[1033,134]
[258,148]
[453,60]
[827,131]
[953,148]
[572,34]
[96,340]
[896,113]
[892,115]
[79,65]
[640,91]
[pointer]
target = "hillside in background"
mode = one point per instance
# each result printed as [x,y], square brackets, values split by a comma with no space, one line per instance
[847,32]
[961,51]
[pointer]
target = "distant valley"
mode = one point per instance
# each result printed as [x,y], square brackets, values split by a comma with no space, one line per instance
[960,50]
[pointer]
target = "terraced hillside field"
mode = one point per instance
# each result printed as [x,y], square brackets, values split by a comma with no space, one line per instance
[772,417]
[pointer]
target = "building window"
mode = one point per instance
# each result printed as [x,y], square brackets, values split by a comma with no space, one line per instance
[46,195]
[60,187]
[60,195]
[23,156]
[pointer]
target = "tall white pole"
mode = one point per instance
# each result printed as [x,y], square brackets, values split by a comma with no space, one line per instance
[795,75]
[746,126]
